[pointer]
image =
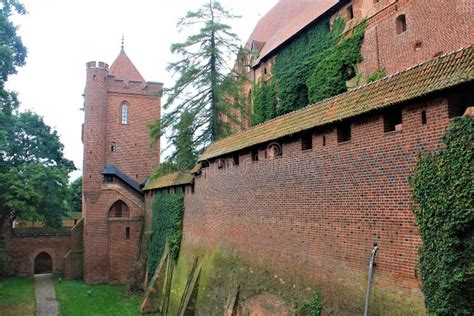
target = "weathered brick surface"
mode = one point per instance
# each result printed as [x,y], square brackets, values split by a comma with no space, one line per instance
[108,256]
[318,213]
[23,250]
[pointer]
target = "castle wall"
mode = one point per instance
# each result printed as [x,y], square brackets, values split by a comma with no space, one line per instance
[23,249]
[318,213]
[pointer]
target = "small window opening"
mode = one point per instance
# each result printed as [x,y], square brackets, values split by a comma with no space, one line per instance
[108,178]
[274,150]
[265,70]
[255,154]
[94,77]
[324,140]
[192,188]
[350,12]
[236,159]
[307,141]
[424,120]
[401,24]
[344,133]
[392,121]
[220,163]
[205,164]
[127,232]
[119,209]
[113,147]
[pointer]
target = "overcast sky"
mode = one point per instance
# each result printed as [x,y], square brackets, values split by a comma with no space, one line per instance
[62,35]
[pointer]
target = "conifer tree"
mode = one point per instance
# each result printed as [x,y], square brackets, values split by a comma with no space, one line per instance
[205,89]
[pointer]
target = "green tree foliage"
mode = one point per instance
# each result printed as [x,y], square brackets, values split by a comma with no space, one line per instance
[33,170]
[379,74]
[443,188]
[167,226]
[205,77]
[75,195]
[313,67]
[185,155]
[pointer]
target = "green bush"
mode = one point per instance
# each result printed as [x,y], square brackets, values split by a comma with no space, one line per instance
[167,226]
[379,74]
[443,188]
[314,306]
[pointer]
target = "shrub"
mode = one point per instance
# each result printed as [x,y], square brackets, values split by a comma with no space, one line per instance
[314,306]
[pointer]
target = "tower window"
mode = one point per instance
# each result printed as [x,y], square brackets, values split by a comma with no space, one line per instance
[324,140]
[236,159]
[401,24]
[350,12]
[424,120]
[344,133]
[124,114]
[113,147]
[127,232]
[119,209]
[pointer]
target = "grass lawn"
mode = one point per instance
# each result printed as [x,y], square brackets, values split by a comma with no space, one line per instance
[17,297]
[104,300]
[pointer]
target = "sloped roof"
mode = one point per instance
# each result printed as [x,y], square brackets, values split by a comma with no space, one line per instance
[112,170]
[169,180]
[123,68]
[284,20]
[435,75]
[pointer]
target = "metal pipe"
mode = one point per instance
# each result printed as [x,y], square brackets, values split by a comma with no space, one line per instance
[371,268]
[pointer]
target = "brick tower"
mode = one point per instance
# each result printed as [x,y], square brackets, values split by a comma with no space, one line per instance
[118,105]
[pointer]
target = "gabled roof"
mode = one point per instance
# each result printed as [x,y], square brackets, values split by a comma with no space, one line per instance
[169,180]
[435,75]
[123,69]
[112,170]
[284,20]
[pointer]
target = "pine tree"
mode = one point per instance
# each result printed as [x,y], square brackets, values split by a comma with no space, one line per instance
[206,85]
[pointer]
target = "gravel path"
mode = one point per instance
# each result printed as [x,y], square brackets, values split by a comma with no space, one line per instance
[46,304]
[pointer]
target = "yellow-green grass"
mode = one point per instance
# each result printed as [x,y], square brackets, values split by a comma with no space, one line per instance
[78,298]
[17,296]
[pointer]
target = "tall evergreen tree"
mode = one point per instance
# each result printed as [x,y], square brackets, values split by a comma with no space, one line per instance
[206,79]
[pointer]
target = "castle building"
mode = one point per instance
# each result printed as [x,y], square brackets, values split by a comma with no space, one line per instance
[119,105]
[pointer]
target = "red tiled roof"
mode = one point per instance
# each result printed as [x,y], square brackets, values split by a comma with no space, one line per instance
[284,20]
[435,75]
[123,68]
[169,180]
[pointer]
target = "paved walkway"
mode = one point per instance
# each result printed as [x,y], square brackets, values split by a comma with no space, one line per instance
[46,304]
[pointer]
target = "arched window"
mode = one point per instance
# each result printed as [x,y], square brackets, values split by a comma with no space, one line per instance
[401,24]
[124,111]
[119,209]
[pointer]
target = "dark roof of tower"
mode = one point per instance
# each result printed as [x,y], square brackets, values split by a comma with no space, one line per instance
[435,75]
[112,170]
[123,68]
[284,20]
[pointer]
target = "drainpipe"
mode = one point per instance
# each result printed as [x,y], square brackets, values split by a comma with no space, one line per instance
[371,268]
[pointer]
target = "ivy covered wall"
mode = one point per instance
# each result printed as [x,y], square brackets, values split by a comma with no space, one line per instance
[313,67]
[167,225]
[443,187]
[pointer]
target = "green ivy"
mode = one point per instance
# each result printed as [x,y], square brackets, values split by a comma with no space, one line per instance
[379,74]
[167,226]
[443,188]
[265,102]
[313,67]
[332,68]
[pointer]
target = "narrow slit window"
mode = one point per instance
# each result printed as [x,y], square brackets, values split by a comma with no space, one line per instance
[350,12]
[113,147]
[236,159]
[124,114]
[401,24]
[307,141]
[424,119]
[254,154]
[392,121]
[127,232]
[324,140]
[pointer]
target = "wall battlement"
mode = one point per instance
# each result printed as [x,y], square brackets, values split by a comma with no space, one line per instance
[97,64]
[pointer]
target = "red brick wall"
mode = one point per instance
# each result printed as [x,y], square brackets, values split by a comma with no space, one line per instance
[433,28]
[318,213]
[23,251]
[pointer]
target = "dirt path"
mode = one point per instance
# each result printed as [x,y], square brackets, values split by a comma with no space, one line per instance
[46,304]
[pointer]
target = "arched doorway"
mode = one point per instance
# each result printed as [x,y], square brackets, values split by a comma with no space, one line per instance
[43,263]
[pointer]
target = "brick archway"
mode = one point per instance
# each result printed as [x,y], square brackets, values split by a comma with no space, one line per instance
[43,263]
